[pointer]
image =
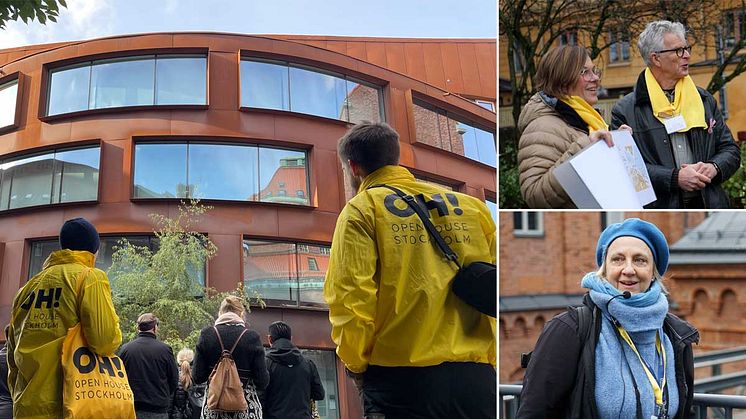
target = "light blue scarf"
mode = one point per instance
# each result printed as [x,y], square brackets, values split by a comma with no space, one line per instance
[641,316]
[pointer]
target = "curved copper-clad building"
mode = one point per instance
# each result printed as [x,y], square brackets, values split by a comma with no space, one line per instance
[118,128]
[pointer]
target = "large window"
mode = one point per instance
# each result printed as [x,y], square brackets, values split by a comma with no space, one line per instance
[40,251]
[618,45]
[734,27]
[449,132]
[285,272]
[50,178]
[8,97]
[528,224]
[235,172]
[289,87]
[327,367]
[132,81]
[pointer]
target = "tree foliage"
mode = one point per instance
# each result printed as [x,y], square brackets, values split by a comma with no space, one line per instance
[165,282]
[41,10]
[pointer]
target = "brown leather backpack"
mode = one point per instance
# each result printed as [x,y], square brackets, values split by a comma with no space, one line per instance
[224,389]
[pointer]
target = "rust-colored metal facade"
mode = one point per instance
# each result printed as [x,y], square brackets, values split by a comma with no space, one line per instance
[444,72]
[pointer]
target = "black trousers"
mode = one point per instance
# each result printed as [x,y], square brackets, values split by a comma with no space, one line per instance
[449,391]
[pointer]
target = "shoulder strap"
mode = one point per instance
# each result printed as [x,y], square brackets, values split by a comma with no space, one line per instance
[239,338]
[585,317]
[442,245]
[222,348]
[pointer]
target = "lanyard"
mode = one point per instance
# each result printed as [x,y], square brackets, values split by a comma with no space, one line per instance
[657,388]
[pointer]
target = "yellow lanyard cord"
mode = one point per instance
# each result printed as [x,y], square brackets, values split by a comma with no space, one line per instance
[657,389]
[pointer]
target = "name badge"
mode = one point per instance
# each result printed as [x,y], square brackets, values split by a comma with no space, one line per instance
[674,124]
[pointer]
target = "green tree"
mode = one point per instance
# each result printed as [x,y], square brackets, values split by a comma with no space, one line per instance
[26,10]
[165,282]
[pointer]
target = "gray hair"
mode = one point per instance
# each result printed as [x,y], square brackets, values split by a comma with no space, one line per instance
[651,39]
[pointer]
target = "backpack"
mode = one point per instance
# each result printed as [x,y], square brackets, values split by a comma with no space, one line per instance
[585,319]
[224,390]
[195,398]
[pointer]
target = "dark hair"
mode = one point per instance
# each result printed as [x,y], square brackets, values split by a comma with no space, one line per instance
[560,68]
[372,145]
[279,330]
[147,321]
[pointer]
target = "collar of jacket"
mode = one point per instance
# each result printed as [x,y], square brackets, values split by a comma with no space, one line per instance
[65,256]
[386,174]
[565,111]
[641,91]
[146,335]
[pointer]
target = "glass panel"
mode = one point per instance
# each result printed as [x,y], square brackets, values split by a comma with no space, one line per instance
[79,171]
[518,221]
[264,85]
[160,171]
[363,103]
[281,171]
[122,83]
[8,95]
[465,142]
[103,258]
[270,269]
[5,182]
[493,209]
[68,91]
[486,105]
[313,265]
[181,81]
[40,251]
[426,125]
[327,366]
[30,179]
[223,172]
[533,219]
[448,132]
[486,147]
[316,93]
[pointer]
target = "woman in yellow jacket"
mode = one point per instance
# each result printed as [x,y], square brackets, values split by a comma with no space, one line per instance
[45,308]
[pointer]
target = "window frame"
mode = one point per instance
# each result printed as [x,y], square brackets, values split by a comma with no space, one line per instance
[619,34]
[312,66]
[53,149]
[211,140]
[49,68]
[20,79]
[524,231]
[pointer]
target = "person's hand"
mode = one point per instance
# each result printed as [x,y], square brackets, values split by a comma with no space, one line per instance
[625,127]
[690,179]
[707,169]
[602,135]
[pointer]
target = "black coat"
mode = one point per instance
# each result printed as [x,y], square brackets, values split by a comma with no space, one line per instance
[151,371]
[293,382]
[248,355]
[6,400]
[550,389]
[650,135]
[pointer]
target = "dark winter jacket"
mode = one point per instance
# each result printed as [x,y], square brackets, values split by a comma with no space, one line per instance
[248,355]
[294,381]
[554,387]
[714,145]
[151,371]
[6,401]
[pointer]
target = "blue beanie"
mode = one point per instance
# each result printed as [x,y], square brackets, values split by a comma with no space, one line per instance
[79,234]
[643,230]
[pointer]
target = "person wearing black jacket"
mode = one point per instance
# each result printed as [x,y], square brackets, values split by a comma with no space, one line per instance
[678,127]
[6,400]
[248,354]
[293,380]
[151,370]
[601,370]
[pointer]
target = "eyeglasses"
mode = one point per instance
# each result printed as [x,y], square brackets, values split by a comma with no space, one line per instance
[588,73]
[679,51]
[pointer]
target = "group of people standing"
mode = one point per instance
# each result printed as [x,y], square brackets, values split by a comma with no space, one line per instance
[678,127]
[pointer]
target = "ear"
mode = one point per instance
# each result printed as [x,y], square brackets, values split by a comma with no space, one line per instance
[655,59]
[354,168]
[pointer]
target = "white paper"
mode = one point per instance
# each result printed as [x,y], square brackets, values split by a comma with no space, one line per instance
[632,159]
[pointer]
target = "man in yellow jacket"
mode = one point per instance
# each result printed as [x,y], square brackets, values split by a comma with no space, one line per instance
[45,308]
[413,348]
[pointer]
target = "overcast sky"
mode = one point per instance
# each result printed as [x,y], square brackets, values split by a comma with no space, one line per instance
[86,19]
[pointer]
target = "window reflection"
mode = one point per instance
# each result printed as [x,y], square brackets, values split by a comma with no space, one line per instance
[8,95]
[264,85]
[282,171]
[492,205]
[327,366]
[283,86]
[38,180]
[122,83]
[286,271]
[443,130]
[181,81]
[222,171]
[68,90]
[160,171]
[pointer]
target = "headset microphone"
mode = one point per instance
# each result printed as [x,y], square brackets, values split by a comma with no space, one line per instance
[626,295]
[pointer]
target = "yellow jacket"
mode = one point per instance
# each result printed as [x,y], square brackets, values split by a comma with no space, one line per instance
[43,310]
[388,287]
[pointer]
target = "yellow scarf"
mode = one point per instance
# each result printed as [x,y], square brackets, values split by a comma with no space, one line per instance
[687,102]
[586,112]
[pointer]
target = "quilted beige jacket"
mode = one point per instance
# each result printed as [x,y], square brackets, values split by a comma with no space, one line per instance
[546,141]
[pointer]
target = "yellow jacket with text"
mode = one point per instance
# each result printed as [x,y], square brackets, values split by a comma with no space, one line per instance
[388,286]
[43,310]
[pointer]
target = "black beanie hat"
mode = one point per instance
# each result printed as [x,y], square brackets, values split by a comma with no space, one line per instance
[79,234]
